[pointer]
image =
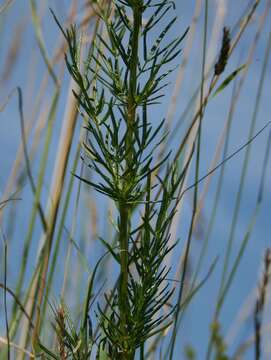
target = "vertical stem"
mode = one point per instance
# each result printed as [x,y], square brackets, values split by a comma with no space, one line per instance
[123,239]
[132,105]
[124,206]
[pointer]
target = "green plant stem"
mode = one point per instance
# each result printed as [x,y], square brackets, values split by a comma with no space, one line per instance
[123,239]
[124,207]
[131,106]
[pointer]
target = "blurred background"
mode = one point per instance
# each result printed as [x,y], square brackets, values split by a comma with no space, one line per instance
[234,200]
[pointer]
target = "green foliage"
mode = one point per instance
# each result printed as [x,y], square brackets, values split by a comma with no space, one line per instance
[120,71]
[124,77]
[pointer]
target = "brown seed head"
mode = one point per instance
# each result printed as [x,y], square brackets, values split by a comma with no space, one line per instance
[224,52]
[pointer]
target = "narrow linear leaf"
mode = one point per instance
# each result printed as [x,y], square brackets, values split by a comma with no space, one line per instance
[229,79]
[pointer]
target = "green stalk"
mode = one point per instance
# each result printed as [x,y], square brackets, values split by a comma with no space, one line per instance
[123,239]
[124,207]
[131,106]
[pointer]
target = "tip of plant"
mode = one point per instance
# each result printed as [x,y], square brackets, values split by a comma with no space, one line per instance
[224,52]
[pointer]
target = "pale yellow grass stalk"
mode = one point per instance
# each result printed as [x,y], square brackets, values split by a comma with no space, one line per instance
[4,342]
